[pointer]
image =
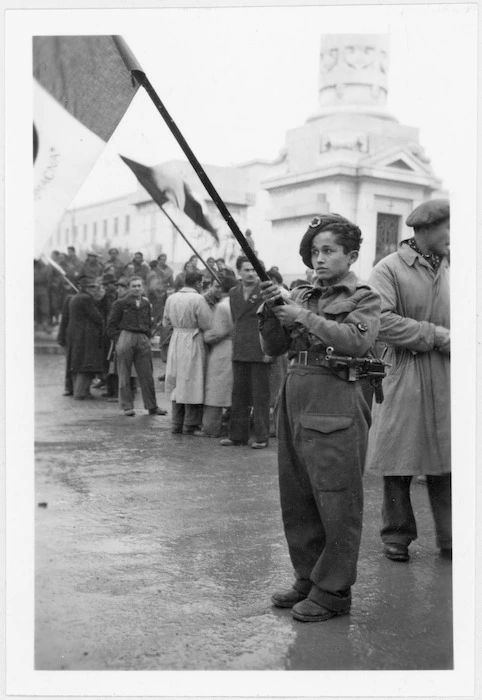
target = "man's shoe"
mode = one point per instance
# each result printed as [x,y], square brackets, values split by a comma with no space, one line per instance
[162,378]
[190,429]
[309,611]
[157,411]
[286,599]
[397,552]
[259,445]
[176,429]
[129,412]
[68,393]
[202,433]
[227,442]
[112,399]
[446,553]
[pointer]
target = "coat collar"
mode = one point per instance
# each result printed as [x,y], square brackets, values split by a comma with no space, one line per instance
[410,256]
[349,283]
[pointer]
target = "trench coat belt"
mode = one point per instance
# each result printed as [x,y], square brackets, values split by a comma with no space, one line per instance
[316,359]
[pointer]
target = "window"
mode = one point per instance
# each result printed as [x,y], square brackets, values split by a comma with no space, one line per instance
[116,226]
[388,226]
[94,230]
[74,234]
[105,228]
[128,223]
[67,232]
[85,232]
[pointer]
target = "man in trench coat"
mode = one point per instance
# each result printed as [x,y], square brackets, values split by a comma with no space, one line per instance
[410,435]
[188,315]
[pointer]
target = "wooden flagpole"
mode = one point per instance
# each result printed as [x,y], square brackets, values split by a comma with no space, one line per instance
[190,245]
[143,80]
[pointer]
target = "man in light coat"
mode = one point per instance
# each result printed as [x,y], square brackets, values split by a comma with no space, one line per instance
[219,370]
[188,314]
[410,435]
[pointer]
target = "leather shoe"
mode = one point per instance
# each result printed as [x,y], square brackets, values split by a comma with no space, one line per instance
[288,598]
[259,445]
[309,611]
[397,552]
[190,429]
[157,411]
[176,430]
[446,553]
[129,412]
[202,433]
[227,442]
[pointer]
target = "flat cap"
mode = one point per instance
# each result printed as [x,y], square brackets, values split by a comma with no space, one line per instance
[429,213]
[108,278]
[122,282]
[93,253]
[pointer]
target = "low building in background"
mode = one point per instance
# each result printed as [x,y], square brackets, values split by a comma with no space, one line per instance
[352,157]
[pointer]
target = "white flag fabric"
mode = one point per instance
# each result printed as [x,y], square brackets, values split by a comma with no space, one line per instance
[83,86]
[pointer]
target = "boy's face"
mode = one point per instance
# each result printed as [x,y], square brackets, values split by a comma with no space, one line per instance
[329,260]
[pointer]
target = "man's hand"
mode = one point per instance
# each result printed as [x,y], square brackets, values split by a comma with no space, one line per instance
[287,313]
[269,292]
[442,340]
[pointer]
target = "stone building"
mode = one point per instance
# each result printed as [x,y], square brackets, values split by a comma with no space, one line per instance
[351,157]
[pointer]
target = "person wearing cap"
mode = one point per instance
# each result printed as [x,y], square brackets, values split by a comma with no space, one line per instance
[85,357]
[323,417]
[112,381]
[92,266]
[130,326]
[140,267]
[114,263]
[410,435]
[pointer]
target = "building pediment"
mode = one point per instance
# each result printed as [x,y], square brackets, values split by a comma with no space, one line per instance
[404,160]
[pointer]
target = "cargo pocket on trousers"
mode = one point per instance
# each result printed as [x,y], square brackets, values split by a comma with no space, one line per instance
[328,447]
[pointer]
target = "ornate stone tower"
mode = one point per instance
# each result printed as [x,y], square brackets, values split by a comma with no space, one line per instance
[353,74]
[352,156]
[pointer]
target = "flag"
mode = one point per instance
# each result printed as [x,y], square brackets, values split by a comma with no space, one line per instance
[82,87]
[165,184]
[196,210]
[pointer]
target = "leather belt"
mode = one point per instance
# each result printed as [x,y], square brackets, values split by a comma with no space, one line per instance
[305,357]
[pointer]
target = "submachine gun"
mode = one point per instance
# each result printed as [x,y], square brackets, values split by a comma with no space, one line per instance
[370,368]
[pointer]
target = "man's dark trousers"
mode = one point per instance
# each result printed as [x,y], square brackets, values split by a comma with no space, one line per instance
[399,526]
[250,390]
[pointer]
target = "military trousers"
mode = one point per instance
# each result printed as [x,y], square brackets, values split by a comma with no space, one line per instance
[322,424]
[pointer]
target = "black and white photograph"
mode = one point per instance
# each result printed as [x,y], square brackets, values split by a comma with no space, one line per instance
[233,397]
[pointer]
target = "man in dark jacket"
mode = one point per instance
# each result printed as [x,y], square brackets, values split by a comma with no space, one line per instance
[251,367]
[130,325]
[84,338]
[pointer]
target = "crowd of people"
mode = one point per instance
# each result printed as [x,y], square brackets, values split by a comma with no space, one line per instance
[247,360]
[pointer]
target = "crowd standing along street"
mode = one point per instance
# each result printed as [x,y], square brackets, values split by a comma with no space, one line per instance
[302,367]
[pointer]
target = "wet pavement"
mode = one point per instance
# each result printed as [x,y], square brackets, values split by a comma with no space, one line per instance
[159,551]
